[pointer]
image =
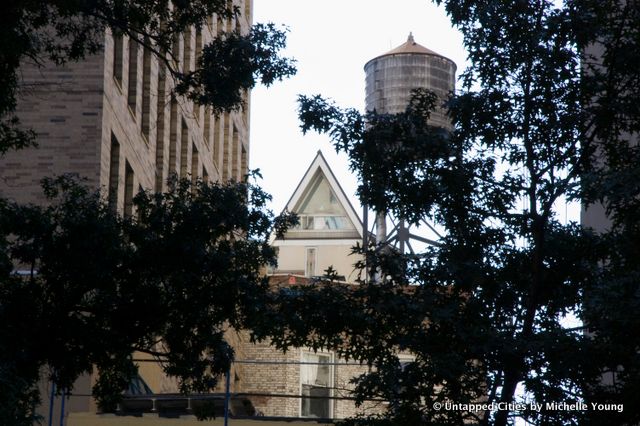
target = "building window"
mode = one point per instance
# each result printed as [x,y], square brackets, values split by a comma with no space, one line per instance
[114,170]
[186,51]
[118,41]
[194,163]
[247,11]
[206,128]
[244,163]
[175,52]
[322,223]
[321,209]
[184,149]
[219,27]
[226,151]
[202,110]
[216,123]
[173,137]
[205,175]
[235,158]
[160,177]
[229,20]
[132,92]
[146,92]
[210,23]
[199,44]
[310,262]
[128,191]
[316,380]
[306,222]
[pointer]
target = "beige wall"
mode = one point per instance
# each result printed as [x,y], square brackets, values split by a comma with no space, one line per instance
[211,144]
[271,379]
[63,105]
[337,253]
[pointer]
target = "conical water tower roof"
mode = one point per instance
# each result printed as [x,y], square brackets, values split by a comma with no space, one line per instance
[409,47]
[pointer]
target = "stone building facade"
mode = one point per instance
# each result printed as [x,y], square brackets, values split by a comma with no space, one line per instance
[111,119]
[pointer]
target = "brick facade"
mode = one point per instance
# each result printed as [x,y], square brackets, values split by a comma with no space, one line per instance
[272,379]
[111,119]
[269,372]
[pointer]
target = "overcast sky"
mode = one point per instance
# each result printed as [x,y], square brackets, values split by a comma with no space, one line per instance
[331,41]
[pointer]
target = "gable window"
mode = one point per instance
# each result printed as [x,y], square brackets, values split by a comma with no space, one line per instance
[317,222]
[321,210]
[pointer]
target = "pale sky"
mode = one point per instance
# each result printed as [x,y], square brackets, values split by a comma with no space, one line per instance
[331,41]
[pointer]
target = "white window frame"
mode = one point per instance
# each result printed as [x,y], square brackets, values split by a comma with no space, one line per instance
[308,273]
[331,356]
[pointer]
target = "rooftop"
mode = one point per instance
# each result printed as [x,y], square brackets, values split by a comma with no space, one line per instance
[409,47]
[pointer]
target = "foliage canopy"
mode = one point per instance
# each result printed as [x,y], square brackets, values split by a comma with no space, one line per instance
[547,113]
[168,283]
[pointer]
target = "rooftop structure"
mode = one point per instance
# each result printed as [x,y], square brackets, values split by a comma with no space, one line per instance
[390,80]
[392,76]
[329,226]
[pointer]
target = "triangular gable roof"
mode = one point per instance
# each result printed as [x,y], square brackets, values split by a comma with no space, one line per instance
[320,165]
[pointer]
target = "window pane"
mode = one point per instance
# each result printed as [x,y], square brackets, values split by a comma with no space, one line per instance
[316,383]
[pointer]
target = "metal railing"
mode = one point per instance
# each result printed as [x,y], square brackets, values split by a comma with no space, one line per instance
[220,403]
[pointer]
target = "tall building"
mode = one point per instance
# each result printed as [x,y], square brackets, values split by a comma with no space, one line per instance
[111,119]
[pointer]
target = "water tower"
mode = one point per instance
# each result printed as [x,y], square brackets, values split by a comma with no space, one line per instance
[390,78]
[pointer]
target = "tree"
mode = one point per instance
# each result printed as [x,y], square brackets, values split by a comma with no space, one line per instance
[98,287]
[547,113]
[95,291]
[66,30]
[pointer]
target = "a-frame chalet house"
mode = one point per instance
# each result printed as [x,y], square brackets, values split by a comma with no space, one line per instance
[328,229]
